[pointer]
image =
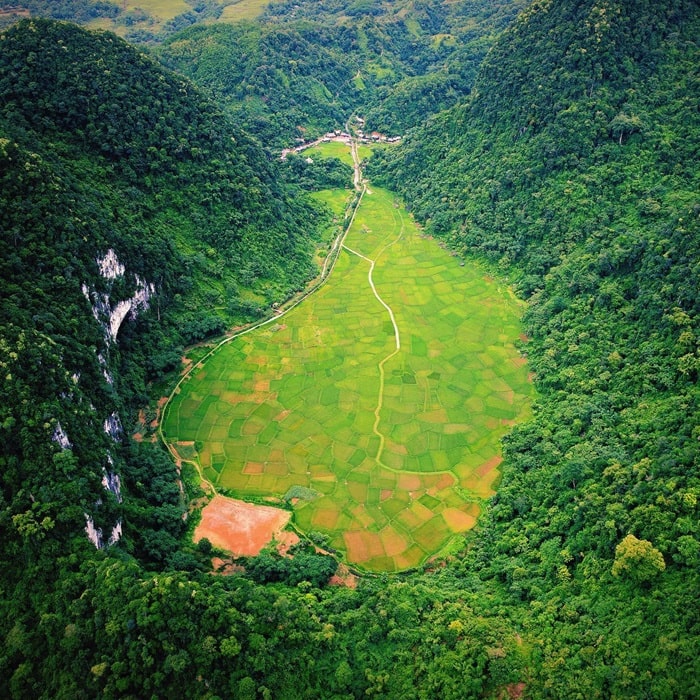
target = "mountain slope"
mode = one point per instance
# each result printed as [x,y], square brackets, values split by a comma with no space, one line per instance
[134,219]
[573,167]
[303,69]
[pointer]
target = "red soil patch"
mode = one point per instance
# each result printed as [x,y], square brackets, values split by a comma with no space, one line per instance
[409,482]
[519,361]
[488,466]
[281,416]
[224,567]
[343,577]
[239,527]
[254,468]
[262,385]
[524,338]
[286,540]
[385,494]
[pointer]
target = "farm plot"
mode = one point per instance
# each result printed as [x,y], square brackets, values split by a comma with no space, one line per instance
[381,399]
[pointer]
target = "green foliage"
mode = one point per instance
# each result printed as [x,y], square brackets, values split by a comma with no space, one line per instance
[303,566]
[638,559]
[572,166]
[568,168]
[275,81]
[307,67]
[313,173]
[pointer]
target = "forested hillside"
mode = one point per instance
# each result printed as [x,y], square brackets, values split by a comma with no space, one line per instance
[574,168]
[305,68]
[136,218]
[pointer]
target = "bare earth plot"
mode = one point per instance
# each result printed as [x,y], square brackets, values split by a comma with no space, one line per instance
[239,527]
[384,395]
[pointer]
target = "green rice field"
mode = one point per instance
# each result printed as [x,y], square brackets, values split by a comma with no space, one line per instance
[338,149]
[378,413]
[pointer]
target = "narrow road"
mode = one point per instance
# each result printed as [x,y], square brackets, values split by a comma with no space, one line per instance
[328,266]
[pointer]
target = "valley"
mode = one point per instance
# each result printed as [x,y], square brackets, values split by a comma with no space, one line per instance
[515,485]
[376,405]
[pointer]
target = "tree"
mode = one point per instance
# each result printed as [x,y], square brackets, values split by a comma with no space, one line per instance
[625,125]
[637,559]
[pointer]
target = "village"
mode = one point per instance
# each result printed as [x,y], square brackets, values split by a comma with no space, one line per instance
[343,137]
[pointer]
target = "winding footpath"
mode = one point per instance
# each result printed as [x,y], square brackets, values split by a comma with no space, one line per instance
[361,186]
[397,339]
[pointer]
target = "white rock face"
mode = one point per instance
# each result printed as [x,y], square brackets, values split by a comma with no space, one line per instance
[113,427]
[112,316]
[112,482]
[94,535]
[110,267]
[116,533]
[59,436]
[103,363]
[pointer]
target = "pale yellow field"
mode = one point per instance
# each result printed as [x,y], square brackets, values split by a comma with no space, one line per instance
[244,9]
[158,9]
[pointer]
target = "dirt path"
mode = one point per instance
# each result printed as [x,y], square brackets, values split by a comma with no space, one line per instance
[397,337]
[328,267]
[376,293]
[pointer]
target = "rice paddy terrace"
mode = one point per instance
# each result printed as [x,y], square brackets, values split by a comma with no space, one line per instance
[376,406]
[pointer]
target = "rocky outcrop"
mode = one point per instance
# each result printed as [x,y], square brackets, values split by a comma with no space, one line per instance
[111,314]
[60,437]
